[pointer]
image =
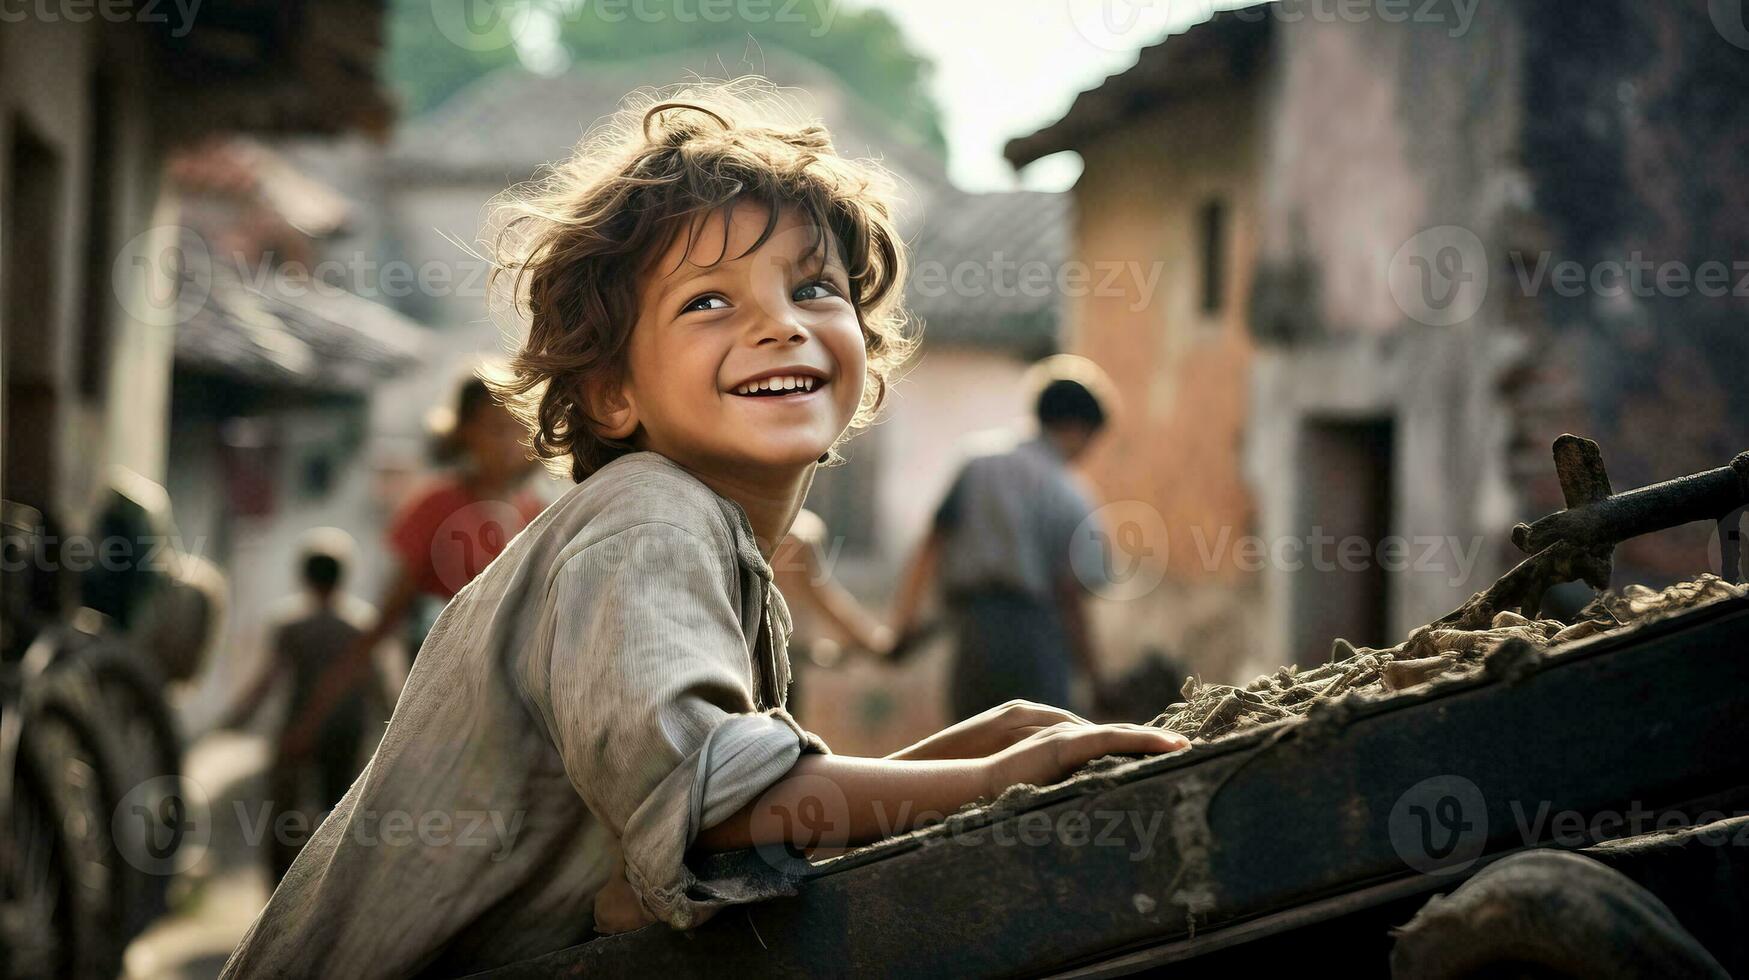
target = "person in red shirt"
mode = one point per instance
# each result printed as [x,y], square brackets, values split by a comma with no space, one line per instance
[444,535]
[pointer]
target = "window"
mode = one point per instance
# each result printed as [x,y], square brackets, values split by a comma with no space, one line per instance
[1212,230]
[28,239]
[100,182]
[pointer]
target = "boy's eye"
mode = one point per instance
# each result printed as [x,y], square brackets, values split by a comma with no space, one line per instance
[704,303]
[818,289]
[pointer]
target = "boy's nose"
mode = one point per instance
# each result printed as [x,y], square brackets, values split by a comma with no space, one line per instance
[773,330]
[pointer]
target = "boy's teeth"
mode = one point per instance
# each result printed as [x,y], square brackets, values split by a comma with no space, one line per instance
[783,383]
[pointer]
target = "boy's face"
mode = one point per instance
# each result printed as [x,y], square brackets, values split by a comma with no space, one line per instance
[718,323]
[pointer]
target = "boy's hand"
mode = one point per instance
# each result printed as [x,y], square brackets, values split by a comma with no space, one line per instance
[990,732]
[617,908]
[1053,753]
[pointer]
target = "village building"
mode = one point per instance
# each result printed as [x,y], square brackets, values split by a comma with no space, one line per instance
[1353,335]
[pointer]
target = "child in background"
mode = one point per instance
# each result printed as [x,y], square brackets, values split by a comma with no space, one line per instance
[302,649]
[443,535]
[831,615]
[1001,545]
[711,298]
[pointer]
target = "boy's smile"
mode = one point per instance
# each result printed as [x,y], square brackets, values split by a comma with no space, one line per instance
[746,362]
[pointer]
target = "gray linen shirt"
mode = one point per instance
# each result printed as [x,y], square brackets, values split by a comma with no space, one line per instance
[613,682]
[1015,519]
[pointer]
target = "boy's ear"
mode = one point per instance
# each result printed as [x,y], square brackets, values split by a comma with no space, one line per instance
[613,408]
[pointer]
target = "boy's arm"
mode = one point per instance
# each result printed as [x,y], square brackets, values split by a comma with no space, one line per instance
[919,575]
[833,801]
[1071,601]
[840,607]
[250,702]
[648,690]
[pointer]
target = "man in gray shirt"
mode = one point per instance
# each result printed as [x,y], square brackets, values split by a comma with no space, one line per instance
[1002,544]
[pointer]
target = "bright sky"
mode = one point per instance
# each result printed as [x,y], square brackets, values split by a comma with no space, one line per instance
[1004,68]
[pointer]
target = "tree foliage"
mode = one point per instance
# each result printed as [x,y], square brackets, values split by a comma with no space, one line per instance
[436,47]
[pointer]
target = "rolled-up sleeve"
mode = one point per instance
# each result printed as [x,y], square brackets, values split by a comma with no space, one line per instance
[652,703]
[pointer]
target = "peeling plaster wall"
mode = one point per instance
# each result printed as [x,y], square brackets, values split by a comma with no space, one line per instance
[1636,137]
[1171,461]
[48,70]
[1378,131]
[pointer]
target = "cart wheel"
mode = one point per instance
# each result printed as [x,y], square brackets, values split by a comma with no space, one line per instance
[1548,913]
[64,733]
[39,915]
[131,692]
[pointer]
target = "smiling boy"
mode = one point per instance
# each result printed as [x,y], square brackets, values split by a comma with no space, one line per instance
[711,306]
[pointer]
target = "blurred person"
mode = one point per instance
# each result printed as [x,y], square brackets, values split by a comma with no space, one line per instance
[831,614]
[447,532]
[303,648]
[712,296]
[1000,546]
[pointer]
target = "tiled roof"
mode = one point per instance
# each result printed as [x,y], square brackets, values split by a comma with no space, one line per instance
[1219,51]
[985,270]
[292,334]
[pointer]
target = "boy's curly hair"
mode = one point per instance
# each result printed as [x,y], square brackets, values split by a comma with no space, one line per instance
[572,244]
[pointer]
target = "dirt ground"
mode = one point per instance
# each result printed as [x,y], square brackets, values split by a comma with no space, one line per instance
[214,902]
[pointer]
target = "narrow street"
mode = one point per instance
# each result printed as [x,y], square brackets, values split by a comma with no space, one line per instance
[213,905]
